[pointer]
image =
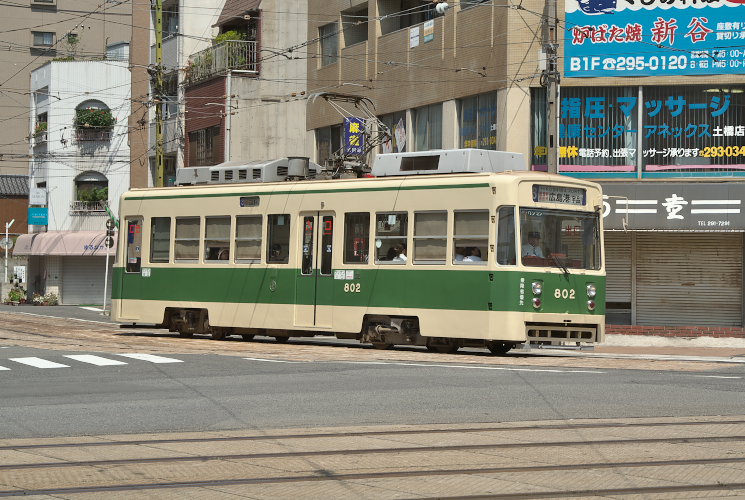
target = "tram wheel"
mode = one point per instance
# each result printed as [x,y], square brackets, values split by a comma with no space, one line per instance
[381,346]
[218,333]
[247,336]
[185,335]
[282,339]
[498,348]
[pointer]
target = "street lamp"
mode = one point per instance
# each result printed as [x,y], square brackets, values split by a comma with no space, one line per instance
[7,245]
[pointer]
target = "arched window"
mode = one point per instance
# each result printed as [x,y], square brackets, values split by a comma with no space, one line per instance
[93,121]
[92,190]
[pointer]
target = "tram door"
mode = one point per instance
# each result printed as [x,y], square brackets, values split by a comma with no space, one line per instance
[314,286]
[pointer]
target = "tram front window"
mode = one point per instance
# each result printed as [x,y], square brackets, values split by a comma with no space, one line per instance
[560,238]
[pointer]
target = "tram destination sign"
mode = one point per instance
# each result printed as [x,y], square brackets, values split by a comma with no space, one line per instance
[543,193]
[681,206]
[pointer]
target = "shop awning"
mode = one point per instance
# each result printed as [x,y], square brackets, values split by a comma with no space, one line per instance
[63,243]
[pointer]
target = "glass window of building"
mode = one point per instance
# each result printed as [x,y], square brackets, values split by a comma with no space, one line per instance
[355,22]
[328,142]
[329,43]
[400,14]
[428,127]
[478,121]
[396,127]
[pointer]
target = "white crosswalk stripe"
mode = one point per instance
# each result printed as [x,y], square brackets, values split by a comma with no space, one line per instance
[94,360]
[3,368]
[151,358]
[39,363]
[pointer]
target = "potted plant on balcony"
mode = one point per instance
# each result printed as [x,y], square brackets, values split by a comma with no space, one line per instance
[94,118]
[40,128]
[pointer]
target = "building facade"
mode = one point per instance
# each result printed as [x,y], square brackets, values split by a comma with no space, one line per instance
[81,167]
[651,104]
[243,93]
[38,31]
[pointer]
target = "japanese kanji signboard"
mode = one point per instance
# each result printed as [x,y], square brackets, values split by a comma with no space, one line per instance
[681,206]
[654,37]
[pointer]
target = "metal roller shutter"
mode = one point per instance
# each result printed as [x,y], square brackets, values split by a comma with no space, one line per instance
[618,266]
[82,280]
[689,279]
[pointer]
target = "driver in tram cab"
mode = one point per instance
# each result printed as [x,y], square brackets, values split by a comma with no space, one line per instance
[533,247]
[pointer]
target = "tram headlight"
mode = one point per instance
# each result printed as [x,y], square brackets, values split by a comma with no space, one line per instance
[537,287]
[591,305]
[536,302]
[591,291]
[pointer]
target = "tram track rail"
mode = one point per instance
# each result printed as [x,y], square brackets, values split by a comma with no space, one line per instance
[645,457]
[399,432]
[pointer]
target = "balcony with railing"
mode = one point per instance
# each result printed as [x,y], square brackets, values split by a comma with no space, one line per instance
[78,207]
[221,58]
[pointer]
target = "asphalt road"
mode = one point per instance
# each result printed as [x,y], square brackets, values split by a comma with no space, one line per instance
[216,392]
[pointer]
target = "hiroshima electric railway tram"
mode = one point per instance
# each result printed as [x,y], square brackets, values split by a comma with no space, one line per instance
[428,260]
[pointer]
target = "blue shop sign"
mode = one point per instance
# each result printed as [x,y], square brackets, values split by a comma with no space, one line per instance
[354,138]
[38,216]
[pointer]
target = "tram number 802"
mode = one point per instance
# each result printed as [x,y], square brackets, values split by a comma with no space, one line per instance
[563,293]
[352,287]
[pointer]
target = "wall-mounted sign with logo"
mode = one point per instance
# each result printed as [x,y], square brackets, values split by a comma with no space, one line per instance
[37,196]
[38,216]
[654,37]
[682,206]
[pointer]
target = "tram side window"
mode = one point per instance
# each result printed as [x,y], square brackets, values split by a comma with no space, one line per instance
[430,237]
[506,236]
[471,237]
[160,239]
[248,238]
[356,237]
[278,246]
[134,244]
[186,242]
[391,230]
[217,238]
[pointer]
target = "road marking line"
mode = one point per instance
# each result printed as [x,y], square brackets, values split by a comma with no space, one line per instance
[94,360]
[151,357]
[713,376]
[96,309]
[39,363]
[3,368]
[272,360]
[469,367]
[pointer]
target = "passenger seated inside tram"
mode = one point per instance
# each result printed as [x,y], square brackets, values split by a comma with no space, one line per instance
[400,253]
[474,255]
[460,254]
[275,253]
[224,254]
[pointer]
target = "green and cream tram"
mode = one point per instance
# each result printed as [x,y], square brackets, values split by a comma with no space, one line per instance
[490,259]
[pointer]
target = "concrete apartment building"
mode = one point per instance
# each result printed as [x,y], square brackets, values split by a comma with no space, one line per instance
[229,82]
[651,102]
[38,31]
[79,170]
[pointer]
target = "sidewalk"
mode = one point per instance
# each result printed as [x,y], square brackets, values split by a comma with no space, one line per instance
[720,347]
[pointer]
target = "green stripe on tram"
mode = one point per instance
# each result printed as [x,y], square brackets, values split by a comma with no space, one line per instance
[303,191]
[467,290]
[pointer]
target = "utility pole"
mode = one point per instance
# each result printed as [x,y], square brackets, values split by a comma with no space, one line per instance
[550,80]
[158,93]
